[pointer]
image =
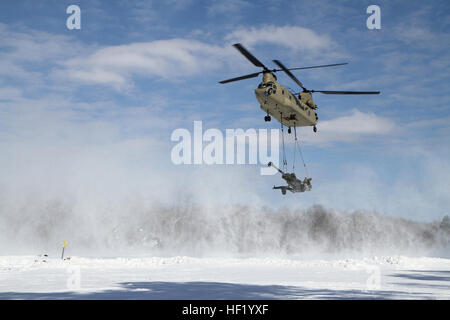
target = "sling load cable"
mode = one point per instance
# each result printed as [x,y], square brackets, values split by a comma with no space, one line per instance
[297,145]
[282,141]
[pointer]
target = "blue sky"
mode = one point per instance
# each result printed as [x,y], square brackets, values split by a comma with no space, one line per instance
[90,112]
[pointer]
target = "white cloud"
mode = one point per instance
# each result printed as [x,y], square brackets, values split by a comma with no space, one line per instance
[421,37]
[175,59]
[25,55]
[32,46]
[293,37]
[169,59]
[219,7]
[350,128]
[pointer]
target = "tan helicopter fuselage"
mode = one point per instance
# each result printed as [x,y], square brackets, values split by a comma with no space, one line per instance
[281,104]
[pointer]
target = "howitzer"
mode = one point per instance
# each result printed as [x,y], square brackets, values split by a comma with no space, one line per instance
[294,184]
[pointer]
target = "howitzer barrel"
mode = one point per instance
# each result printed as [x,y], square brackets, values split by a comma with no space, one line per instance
[270,164]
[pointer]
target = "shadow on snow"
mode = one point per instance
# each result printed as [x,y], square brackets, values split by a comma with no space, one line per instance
[213,291]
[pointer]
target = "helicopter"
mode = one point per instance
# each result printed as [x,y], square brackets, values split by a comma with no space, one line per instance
[290,109]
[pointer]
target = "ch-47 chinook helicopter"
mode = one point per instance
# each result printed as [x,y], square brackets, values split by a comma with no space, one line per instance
[290,109]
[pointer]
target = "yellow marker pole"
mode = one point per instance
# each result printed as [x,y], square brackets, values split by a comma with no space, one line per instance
[64,246]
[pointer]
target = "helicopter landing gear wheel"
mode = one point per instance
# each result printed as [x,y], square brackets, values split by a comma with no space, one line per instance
[315,129]
[267,118]
[289,130]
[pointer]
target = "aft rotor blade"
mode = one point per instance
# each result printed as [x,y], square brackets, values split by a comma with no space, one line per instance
[289,73]
[345,92]
[249,56]
[322,66]
[248,76]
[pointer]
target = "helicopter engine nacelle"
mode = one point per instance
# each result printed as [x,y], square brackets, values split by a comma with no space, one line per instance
[311,104]
[303,105]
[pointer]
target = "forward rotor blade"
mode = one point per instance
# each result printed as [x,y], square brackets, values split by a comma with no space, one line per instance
[289,73]
[322,66]
[248,55]
[248,76]
[345,92]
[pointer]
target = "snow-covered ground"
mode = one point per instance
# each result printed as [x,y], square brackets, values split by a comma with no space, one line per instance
[392,277]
